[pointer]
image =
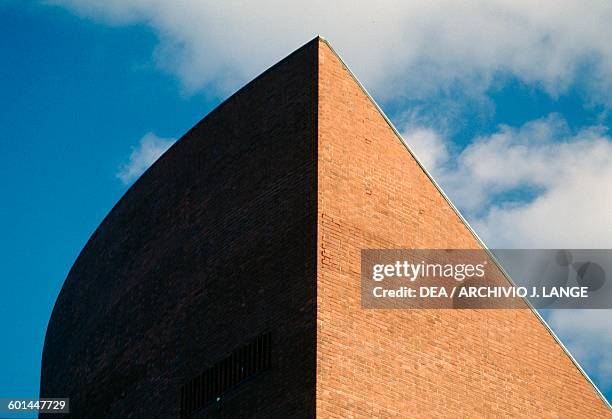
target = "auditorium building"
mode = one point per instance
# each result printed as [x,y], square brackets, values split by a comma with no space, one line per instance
[226,281]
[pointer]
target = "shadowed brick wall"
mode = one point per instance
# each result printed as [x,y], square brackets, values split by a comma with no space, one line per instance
[214,245]
[407,363]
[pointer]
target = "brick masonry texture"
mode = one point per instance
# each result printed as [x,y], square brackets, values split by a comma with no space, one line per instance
[254,222]
[412,363]
[215,244]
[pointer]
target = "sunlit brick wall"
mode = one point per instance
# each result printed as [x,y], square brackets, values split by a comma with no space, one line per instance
[425,363]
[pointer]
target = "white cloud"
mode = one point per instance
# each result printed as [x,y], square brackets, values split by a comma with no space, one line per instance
[566,177]
[398,48]
[574,212]
[428,145]
[149,149]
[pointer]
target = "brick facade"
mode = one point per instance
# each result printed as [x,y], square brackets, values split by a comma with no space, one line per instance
[253,222]
[423,363]
[213,245]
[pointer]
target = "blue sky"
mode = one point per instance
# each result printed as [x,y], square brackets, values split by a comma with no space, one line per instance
[91,94]
[76,96]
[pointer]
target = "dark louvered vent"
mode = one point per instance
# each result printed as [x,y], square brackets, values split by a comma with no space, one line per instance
[241,364]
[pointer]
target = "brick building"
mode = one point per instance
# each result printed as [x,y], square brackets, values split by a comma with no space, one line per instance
[226,283]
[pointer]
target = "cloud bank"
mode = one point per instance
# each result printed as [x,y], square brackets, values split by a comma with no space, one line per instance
[397,48]
[536,186]
[149,149]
